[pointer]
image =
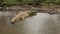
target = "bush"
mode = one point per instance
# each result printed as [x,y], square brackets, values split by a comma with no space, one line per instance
[27,2]
[57,2]
[24,2]
[9,2]
[30,2]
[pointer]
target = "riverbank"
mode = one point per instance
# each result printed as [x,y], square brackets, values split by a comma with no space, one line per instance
[53,9]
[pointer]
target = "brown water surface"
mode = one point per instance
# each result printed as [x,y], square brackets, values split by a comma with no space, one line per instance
[42,23]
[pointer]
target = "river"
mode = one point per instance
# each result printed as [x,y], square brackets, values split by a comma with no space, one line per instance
[42,23]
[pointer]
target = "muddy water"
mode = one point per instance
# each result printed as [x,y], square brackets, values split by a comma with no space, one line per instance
[42,23]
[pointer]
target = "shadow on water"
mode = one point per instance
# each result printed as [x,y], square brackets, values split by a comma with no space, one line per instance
[42,23]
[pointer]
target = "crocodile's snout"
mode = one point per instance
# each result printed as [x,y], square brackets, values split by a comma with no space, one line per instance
[12,22]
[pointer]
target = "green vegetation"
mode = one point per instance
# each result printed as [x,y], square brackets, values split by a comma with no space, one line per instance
[28,2]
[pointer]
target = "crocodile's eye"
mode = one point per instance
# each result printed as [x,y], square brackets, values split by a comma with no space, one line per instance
[20,18]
